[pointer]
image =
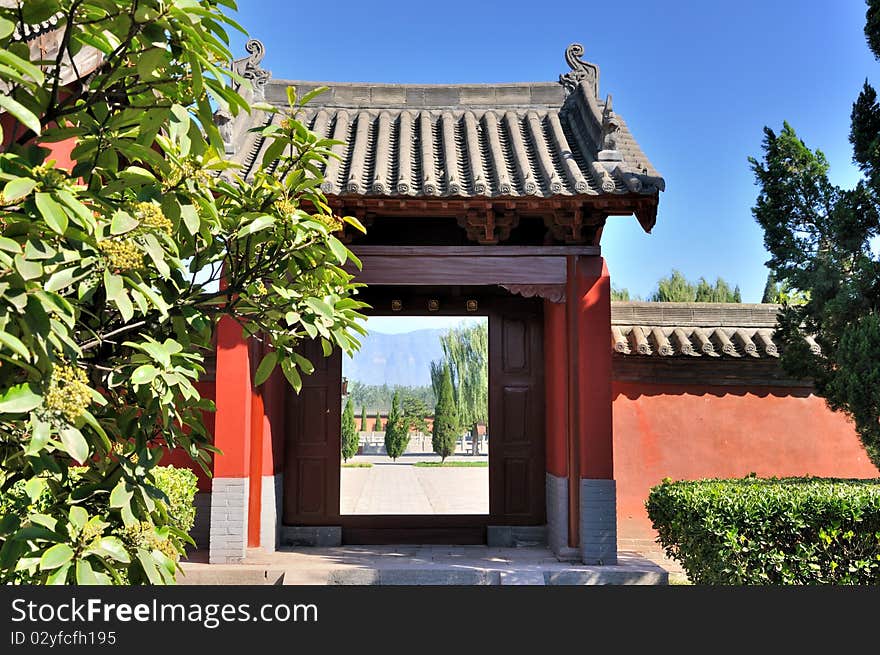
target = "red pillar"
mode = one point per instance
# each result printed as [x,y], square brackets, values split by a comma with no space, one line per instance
[556,428]
[594,369]
[229,487]
[592,494]
[255,485]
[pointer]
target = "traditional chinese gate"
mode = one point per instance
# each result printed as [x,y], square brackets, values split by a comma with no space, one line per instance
[516,414]
[492,192]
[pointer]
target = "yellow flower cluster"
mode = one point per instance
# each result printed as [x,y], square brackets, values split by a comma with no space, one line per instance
[90,532]
[68,393]
[259,289]
[333,223]
[49,177]
[285,207]
[122,254]
[151,217]
[143,535]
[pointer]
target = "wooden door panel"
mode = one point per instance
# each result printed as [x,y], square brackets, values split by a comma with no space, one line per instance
[312,445]
[516,414]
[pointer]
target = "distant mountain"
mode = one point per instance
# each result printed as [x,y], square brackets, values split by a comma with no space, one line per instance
[395,359]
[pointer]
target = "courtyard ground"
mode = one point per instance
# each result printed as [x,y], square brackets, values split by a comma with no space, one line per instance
[400,487]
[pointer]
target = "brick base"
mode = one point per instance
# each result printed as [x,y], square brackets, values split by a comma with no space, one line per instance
[229,518]
[598,516]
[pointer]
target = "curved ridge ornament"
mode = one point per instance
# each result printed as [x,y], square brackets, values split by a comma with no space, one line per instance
[249,67]
[581,71]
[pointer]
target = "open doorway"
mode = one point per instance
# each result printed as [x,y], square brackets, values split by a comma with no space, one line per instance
[415,418]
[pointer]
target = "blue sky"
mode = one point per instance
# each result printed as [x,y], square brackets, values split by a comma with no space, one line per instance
[695,81]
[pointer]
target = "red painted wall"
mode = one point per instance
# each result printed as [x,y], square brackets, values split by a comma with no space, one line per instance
[690,432]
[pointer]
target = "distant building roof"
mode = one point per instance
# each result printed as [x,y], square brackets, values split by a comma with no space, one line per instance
[44,40]
[727,330]
[531,140]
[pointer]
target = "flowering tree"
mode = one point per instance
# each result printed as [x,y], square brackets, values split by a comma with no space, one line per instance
[109,274]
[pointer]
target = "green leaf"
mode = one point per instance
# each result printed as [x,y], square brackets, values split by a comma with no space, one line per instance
[256,225]
[14,344]
[339,251]
[122,222]
[113,284]
[149,566]
[20,112]
[28,269]
[292,375]
[56,556]
[18,188]
[144,374]
[84,573]
[10,245]
[319,307]
[112,547]
[190,216]
[126,309]
[20,398]
[7,27]
[74,444]
[34,487]
[59,576]
[78,516]
[264,370]
[121,495]
[40,433]
[52,212]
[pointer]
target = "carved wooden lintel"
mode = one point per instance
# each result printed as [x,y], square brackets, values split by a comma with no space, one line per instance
[552,292]
[488,227]
[575,226]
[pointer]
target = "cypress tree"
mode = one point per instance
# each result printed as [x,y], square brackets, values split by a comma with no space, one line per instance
[363,419]
[349,432]
[396,433]
[445,432]
[377,427]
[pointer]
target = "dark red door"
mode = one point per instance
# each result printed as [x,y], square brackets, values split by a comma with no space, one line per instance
[516,414]
[312,448]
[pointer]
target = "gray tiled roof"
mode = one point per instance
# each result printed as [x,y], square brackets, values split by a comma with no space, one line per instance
[471,140]
[696,330]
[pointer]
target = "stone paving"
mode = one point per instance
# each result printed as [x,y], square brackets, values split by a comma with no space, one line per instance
[401,488]
[420,565]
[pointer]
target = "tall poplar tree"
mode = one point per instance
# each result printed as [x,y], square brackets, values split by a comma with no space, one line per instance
[445,430]
[349,432]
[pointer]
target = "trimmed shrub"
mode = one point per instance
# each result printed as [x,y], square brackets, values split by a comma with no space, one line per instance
[775,531]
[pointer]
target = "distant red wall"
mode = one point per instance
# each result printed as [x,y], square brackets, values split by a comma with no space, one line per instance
[691,432]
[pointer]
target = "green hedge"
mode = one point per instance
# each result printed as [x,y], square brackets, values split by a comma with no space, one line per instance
[179,486]
[771,531]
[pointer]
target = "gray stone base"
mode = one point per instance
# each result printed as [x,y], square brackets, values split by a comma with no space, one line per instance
[229,519]
[516,536]
[598,515]
[270,511]
[557,513]
[321,536]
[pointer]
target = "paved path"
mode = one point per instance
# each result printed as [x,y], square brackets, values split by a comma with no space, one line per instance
[417,565]
[401,488]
